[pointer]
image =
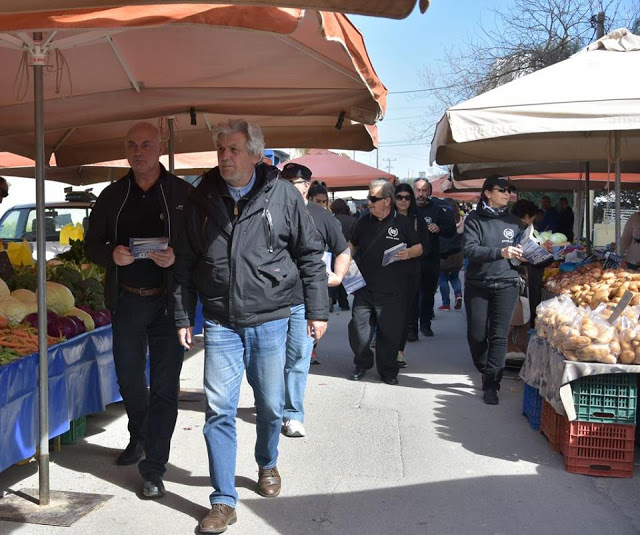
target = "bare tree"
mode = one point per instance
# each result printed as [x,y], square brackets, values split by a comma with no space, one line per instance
[530,35]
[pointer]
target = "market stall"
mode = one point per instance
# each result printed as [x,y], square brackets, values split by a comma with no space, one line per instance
[82,380]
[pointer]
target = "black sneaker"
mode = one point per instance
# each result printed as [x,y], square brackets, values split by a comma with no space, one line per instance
[458,303]
[491,396]
[412,336]
[426,331]
[131,454]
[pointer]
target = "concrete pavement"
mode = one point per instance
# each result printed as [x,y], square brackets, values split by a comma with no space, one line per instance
[424,457]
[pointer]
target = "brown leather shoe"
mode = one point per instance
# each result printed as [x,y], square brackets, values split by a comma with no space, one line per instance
[218,519]
[269,482]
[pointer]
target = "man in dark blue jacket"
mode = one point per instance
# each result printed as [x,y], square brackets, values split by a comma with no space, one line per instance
[147,203]
[440,222]
[248,235]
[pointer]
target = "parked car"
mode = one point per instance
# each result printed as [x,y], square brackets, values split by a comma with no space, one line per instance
[19,222]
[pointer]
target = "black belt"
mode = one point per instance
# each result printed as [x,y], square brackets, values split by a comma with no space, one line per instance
[142,292]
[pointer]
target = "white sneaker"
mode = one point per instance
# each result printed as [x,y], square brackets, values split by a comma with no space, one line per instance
[293,428]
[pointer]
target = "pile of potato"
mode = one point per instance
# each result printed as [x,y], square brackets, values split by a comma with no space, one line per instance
[582,334]
[590,285]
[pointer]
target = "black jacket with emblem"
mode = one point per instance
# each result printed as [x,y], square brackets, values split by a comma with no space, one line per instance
[435,211]
[244,269]
[102,234]
[486,233]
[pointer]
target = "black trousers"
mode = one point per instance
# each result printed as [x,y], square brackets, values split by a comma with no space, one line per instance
[384,314]
[413,297]
[140,323]
[429,273]
[489,309]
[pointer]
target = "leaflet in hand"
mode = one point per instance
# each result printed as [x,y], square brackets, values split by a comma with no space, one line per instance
[353,280]
[390,254]
[141,247]
[531,249]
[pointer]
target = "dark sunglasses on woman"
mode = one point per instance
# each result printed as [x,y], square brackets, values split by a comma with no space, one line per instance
[403,197]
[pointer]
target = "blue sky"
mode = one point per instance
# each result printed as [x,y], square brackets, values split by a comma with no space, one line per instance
[399,50]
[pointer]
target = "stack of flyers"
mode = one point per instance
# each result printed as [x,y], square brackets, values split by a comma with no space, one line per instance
[531,249]
[390,254]
[353,280]
[141,247]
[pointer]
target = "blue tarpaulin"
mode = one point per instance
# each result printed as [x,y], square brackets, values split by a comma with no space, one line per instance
[82,380]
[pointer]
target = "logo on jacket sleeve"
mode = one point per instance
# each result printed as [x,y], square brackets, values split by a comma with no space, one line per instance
[509,233]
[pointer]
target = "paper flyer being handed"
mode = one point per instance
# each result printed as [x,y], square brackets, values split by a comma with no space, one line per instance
[531,248]
[141,247]
[390,254]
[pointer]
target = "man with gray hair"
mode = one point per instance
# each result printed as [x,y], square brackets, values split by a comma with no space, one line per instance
[383,302]
[248,234]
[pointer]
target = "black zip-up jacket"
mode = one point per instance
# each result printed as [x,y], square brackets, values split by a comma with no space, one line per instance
[245,270]
[102,235]
[435,211]
[486,233]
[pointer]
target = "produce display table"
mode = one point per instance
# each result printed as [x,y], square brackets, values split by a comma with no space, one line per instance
[547,370]
[82,380]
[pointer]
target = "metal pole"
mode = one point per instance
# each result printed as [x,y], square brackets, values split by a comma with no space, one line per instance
[587,212]
[38,60]
[616,138]
[172,148]
[377,159]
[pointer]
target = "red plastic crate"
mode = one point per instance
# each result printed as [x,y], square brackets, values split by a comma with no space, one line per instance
[599,449]
[552,425]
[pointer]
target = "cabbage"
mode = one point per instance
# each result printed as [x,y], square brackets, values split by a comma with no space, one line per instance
[65,326]
[558,237]
[59,298]
[545,236]
[13,310]
[87,320]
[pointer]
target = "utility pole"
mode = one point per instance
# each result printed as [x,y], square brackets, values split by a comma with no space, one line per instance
[389,160]
[600,24]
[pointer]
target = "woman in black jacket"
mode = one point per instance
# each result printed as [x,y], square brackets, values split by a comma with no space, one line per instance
[491,282]
[406,205]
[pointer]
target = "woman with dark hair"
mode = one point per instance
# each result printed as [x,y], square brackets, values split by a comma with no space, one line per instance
[451,259]
[492,281]
[406,205]
[319,194]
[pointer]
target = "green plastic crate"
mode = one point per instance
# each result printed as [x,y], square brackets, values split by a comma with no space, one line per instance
[77,430]
[607,398]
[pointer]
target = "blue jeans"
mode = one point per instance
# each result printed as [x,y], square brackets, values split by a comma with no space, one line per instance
[296,368]
[444,279]
[227,353]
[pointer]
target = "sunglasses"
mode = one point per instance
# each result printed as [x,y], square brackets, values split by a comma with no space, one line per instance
[373,199]
[503,190]
[403,197]
[297,181]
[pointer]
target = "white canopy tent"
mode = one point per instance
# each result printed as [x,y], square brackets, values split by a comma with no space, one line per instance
[583,109]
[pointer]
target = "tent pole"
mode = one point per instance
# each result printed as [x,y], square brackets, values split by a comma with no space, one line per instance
[617,192]
[172,148]
[39,59]
[587,211]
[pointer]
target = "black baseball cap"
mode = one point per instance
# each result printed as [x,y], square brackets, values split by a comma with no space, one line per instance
[295,170]
[497,181]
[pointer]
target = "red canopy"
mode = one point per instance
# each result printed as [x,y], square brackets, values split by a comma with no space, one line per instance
[340,172]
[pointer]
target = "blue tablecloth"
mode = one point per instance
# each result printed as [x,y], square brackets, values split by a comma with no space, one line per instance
[82,380]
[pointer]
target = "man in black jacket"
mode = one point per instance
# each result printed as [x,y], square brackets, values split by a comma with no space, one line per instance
[248,235]
[440,222]
[147,203]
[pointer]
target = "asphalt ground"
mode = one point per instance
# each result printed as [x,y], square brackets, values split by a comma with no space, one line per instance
[424,457]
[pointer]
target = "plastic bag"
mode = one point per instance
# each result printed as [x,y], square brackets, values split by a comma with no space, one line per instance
[20,253]
[71,232]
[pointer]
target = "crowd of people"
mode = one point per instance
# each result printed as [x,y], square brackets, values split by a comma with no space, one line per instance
[266,254]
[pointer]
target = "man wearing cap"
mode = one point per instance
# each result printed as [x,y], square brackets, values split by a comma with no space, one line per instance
[491,281]
[439,221]
[382,303]
[299,344]
[147,203]
[249,238]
